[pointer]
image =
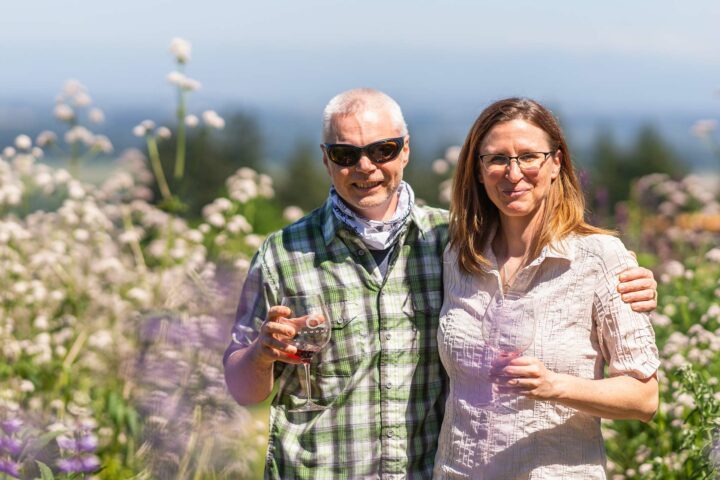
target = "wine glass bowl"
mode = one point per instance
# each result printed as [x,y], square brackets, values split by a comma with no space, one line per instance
[508,329]
[312,332]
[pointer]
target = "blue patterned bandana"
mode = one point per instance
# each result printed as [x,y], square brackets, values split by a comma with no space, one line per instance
[377,235]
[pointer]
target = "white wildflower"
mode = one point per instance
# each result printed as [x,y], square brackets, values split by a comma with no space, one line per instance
[216,220]
[9,152]
[452,154]
[292,213]
[440,166]
[64,112]
[713,255]
[183,81]
[212,119]
[139,131]
[148,124]
[103,144]
[73,87]
[253,241]
[181,49]
[82,99]
[221,240]
[27,386]
[238,224]
[23,142]
[79,133]
[192,121]
[674,268]
[242,264]
[46,137]
[163,133]
[96,115]
[703,128]
[37,152]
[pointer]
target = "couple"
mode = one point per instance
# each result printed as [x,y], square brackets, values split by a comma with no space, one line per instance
[406,287]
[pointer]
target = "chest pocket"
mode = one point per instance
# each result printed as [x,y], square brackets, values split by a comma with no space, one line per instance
[342,354]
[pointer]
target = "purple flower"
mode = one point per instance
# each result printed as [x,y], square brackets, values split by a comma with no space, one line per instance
[66,443]
[87,443]
[82,464]
[10,445]
[69,465]
[90,463]
[12,425]
[10,467]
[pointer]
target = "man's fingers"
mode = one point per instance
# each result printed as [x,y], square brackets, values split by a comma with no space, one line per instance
[277,312]
[643,284]
[647,306]
[641,296]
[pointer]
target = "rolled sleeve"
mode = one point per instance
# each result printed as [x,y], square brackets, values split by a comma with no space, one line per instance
[252,308]
[626,337]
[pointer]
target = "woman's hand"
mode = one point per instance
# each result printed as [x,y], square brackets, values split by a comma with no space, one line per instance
[526,376]
[621,397]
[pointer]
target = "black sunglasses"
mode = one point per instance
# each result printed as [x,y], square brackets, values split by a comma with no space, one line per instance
[381,151]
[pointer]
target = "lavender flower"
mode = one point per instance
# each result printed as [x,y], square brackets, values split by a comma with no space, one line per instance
[10,467]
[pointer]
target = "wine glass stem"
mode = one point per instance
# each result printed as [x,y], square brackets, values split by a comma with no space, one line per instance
[307,383]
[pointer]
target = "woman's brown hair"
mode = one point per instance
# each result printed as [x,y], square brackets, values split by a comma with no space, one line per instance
[473,215]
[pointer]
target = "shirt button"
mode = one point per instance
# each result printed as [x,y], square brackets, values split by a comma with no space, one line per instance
[361,252]
[387,336]
[388,385]
[390,434]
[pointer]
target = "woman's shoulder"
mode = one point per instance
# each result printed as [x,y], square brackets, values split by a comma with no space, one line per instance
[607,249]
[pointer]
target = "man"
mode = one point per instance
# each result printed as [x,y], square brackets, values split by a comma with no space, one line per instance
[376,258]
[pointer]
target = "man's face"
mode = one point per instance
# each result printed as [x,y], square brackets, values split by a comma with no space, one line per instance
[368,188]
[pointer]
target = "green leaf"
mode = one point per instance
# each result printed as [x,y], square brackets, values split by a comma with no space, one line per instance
[45,472]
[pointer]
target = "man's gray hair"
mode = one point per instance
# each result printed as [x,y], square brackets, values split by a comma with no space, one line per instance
[361,100]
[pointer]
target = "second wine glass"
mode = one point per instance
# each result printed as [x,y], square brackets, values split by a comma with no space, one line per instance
[312,325]
[508,328]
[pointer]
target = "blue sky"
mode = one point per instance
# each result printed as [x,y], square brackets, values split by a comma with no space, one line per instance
[610,56]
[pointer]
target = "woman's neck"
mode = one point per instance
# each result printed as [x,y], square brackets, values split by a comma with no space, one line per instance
[516,235]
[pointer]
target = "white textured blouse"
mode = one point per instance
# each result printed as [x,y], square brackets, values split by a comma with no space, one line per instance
[582,326]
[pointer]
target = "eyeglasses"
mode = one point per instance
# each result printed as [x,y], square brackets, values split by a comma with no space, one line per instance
[381,151]
[529,163]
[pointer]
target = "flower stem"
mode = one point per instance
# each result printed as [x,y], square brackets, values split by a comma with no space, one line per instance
[180,150]
[157,167]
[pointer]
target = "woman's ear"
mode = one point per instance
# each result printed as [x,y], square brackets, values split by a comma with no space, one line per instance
[556,164]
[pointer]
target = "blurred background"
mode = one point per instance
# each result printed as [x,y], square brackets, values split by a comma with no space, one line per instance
[146,149]
[623,78]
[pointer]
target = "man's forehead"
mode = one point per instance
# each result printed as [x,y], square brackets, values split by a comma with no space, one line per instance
[371,122]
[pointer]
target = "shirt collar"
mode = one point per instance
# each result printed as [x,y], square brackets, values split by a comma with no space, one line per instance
[558,249]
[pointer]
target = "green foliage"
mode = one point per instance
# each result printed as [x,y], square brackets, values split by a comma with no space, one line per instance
[614,168]
[212,156]
[304,181]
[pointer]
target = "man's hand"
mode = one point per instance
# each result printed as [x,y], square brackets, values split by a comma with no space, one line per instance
[638,288]
[272,342]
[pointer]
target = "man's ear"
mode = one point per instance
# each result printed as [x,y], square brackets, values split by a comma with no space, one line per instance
[326,161]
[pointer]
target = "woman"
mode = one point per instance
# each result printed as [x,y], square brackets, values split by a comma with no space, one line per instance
[516,225]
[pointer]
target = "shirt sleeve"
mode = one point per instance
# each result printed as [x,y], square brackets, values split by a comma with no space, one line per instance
[626,337]
[255,299]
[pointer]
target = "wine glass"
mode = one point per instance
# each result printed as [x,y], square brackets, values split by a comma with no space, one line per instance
[508,328]
[311,321]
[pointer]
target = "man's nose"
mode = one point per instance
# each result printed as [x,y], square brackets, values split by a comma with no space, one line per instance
[365,164]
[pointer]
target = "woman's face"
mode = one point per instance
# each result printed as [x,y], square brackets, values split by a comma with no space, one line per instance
[514,192]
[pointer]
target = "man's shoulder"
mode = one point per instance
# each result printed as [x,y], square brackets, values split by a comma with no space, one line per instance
[301,230]
[432,216]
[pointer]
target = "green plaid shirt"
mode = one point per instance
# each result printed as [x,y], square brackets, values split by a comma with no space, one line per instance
[380,375]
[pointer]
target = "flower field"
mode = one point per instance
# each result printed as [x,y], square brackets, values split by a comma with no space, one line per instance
[115,311]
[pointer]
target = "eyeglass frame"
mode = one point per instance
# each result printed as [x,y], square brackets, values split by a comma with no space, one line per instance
[363,150]
[516,158]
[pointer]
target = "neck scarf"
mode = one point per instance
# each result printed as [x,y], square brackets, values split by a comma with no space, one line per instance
[377,235]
